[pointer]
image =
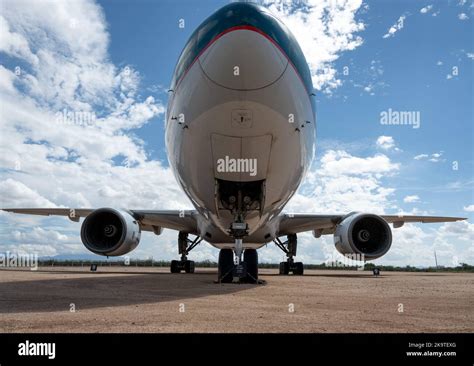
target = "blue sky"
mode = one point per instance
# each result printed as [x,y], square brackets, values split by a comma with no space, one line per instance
[116,58]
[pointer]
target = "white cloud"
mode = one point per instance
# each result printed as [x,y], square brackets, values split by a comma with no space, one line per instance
[385,142]
[463,229]
[470,55]
[421,156]
[335,163]
[469,208]
[426,9]
[434,158]
[342,183]
[324,29]
[17,194]
[411,199]
[39,235]
[396,27]
[439,63]
[424,243]
[463,16]
[15,44]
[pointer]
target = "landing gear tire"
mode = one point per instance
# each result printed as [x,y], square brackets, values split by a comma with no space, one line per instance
[226,265]
[298,269]
[175,267]
[178,266]
[251,261]
[284,268]
[189,266]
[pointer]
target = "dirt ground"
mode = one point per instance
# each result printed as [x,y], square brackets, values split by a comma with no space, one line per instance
[153,300]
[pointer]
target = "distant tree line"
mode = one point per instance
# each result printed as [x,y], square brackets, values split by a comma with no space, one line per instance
[462,267]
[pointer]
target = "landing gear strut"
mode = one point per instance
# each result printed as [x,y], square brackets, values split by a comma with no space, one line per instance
[289,247]
[185,245]
[231,266]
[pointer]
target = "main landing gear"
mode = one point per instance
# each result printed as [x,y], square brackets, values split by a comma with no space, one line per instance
[289,247]
[185,245]
[230,266]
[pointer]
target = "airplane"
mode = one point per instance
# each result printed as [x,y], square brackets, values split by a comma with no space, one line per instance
[240,136]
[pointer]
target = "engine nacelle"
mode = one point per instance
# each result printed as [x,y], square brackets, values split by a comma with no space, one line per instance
[110,232]
[364,234]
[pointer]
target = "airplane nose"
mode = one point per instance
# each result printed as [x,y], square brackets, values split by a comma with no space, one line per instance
[243,58]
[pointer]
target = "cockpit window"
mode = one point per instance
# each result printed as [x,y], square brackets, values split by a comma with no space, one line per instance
[238,14]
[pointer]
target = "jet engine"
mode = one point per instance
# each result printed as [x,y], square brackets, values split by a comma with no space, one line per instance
[364,234]
[110,232]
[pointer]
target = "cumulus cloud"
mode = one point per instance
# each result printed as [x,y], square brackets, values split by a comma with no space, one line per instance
[462,233]
[335,163]
[39,235]
[14,193]
[469,208]
[342,182]
[463,229]
[423,244]
[396,27]
[463,16]
[426,9]
[385,142]
[324,29]
[411,199]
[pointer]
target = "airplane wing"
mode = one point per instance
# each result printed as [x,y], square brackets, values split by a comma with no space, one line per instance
[326,224]
[150,220]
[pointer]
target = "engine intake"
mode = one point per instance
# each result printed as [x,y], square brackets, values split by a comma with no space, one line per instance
[110,232]
[365,234]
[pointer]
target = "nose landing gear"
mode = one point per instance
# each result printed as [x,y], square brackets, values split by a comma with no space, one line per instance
[233,266]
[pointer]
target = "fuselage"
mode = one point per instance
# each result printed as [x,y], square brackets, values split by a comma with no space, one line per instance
[240,125]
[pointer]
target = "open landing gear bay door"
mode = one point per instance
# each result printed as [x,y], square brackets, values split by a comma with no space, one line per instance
[241,159]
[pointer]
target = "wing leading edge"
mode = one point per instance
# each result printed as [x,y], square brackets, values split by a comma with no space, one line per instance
[326,224]
[150,220]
